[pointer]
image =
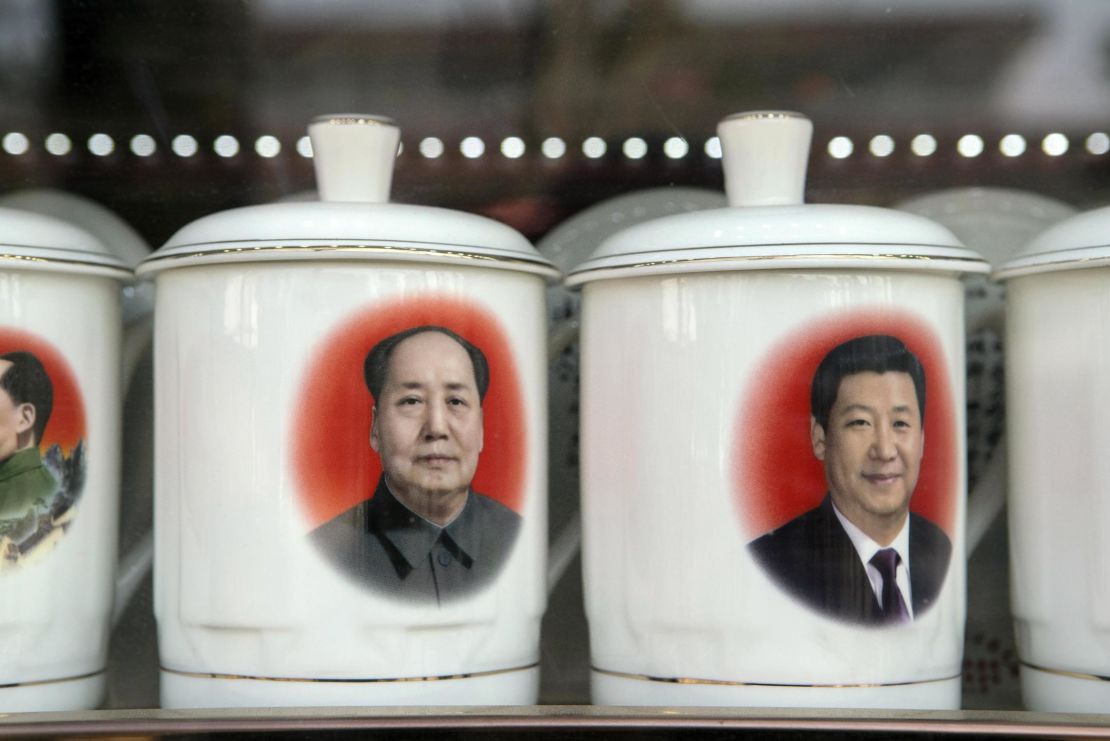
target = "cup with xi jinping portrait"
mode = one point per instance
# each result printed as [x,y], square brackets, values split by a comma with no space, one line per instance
[772,472]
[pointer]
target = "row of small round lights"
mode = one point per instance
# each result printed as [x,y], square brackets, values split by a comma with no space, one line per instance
[144,145]
[1054,144]
[970,146]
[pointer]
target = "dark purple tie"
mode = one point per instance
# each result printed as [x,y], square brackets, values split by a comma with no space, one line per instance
[894,607]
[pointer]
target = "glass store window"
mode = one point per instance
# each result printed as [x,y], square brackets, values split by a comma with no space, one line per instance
[988,115]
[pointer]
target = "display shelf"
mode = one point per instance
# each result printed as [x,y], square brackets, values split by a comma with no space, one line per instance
[554,722]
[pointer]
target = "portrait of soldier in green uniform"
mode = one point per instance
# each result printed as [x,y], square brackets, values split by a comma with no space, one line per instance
[26,400]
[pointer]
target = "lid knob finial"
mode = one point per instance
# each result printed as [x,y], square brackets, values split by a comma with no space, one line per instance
[764,156]
[353,155]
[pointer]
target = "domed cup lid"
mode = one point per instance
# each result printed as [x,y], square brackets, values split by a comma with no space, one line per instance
[31,241]
[1080,241]
[767,226]
[353,156]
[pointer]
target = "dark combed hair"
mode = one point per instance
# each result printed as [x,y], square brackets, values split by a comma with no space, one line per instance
[376,365]
[27,382]
[878,353]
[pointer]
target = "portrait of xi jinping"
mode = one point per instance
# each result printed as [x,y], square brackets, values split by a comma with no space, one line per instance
[861,556]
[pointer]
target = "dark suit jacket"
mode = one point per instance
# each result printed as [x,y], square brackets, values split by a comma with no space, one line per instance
[382,544]
[813,559]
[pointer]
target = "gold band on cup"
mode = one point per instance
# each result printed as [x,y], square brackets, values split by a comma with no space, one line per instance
[65,264]
[1066,673]
[339,248]
[829,256]
[356,680]
[733,683]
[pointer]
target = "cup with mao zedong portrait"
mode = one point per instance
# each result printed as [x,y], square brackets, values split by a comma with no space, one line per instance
[350,451]
[773,472]
[60,400]
[1056,344]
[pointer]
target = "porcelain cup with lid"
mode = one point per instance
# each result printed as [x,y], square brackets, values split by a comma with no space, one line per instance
[773,474]
[350,447]
[1057,345]
[60,406]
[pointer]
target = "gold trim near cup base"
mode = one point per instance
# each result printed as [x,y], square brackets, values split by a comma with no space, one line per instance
[356,680]
[732,683]
[40,682]
[1065,673]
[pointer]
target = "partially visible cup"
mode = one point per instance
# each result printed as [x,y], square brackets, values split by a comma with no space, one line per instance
[60,399]
[1057,412]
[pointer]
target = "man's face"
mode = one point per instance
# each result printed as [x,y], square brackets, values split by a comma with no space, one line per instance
[15,419]
[872,448]
[428,420]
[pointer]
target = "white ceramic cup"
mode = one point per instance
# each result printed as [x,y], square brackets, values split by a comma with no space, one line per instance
[276,583]
[716,570]
[60,338]
[1057,345]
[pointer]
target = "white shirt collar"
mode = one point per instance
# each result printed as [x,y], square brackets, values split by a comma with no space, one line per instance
[866,548]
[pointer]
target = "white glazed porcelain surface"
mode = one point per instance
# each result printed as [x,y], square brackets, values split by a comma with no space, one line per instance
[115,236]
[671,591]
[1074,243]
[997,223]
[823,235]
[82,693]
[354,156]
[272,231]
[239,588]
[54,612]
[764,154]
[608,689]
[1057,351]
[51,243]
[1052,692]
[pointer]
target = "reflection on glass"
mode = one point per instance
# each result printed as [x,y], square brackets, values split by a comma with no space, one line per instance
[634,148]
[226,145]
[101,145]
[594,147]
[431,147]
[184,145]
[923,145]
[512,147]
[881,145]
[1055,144]
[553,147]
[1012,145]
[713,147]
[676,148]
[1098,143]
[143,145]
[16,143]
[840,147]
[472,147]
[970,145]
[267,146]
[58,144]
